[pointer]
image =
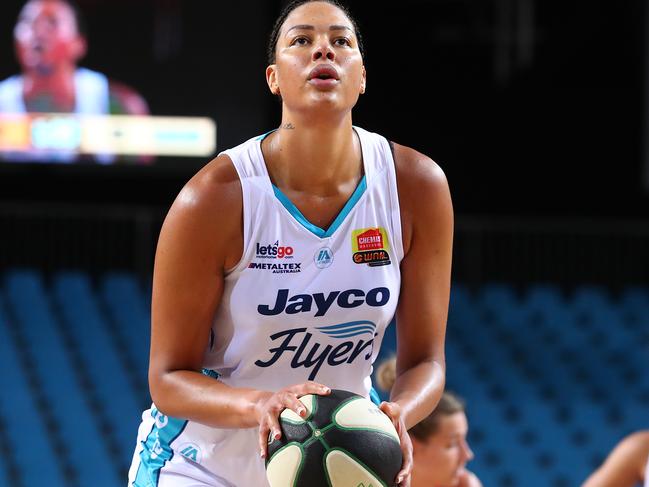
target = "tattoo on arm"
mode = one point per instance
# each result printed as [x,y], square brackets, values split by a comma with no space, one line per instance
[288,126]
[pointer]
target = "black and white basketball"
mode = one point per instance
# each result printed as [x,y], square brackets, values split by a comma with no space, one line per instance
[344,440]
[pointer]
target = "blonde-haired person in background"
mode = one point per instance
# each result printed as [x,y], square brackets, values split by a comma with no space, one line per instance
[626,466]
[440,447]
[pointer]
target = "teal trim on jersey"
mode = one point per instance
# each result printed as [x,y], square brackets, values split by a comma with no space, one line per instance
[263,136]
[374,396]
[297,214]
[211,373]
[157,448]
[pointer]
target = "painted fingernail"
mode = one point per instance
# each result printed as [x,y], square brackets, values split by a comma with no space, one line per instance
[302,412]
[277,435]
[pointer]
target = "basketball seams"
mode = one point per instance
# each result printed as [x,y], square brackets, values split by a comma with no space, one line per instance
[350,428]
[302,459]
[353,457]
[327,436]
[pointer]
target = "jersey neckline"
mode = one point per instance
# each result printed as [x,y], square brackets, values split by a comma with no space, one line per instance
[297,215]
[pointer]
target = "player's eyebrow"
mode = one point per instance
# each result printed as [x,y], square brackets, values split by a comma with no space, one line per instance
[311,27]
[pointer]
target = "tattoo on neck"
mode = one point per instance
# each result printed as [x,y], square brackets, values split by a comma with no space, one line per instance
[288,126]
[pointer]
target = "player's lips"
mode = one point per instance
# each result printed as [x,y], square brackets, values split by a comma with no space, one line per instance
[324,76]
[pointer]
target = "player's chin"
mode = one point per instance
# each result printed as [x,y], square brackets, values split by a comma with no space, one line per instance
[458,477]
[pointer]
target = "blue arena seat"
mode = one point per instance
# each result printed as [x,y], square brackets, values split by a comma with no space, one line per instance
[24,427]
[546,374]
[117,400]
[129,312]
[56,371]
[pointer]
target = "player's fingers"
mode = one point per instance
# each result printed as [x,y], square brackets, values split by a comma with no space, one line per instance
[263,439]
[273,425]
[403,481]
[393,412]
[294,404]
[403,477]
[311,387]
[406,467]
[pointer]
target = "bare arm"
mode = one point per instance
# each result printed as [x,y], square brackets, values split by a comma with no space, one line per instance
[625,465]
[427,220]
[194,248]
[201,238]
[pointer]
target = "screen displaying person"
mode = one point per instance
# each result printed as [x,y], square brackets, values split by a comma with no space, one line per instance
[49,43]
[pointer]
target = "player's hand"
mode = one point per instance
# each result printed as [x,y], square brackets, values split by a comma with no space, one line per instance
[272,404]
[393,411]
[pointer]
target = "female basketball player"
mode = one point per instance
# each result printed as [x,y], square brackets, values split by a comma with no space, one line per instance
[281,263]
[440,448]
[626,466]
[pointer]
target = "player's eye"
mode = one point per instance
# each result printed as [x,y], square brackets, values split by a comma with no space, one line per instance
[300,41]
[343,41]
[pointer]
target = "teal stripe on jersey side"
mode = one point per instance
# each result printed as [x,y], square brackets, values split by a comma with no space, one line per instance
[374,396]
[157,448]
[297,214]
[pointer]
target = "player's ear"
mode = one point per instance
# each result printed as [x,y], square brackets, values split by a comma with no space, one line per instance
[271,79]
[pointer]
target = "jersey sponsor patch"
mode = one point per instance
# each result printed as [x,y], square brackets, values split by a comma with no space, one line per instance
[370,246]
[284,268]
[320,303]
[323,257]
[273,251]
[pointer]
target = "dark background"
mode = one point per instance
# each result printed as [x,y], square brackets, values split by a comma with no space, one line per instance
[531,108]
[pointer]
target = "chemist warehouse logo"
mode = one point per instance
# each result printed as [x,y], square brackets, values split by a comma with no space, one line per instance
[277,254]
[370,246]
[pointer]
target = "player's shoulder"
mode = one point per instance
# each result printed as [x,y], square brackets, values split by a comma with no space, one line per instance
[637,442]
[417,171]
[11,84]
[125,100]
[214,192]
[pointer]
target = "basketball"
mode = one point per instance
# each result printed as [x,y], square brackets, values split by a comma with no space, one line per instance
[343,440]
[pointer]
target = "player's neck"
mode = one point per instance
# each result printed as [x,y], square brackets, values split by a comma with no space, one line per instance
[421,478]
[314,157]
[57,84]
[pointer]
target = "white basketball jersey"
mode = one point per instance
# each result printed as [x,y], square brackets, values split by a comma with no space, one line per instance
[303,303]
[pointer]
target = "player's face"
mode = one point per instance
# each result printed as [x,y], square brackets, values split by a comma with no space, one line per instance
[445,453]
[47,36]
[318,62]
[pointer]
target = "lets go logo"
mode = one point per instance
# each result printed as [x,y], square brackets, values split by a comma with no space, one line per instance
[274,251]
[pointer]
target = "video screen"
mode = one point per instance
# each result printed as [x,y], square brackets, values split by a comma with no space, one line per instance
[112,82]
